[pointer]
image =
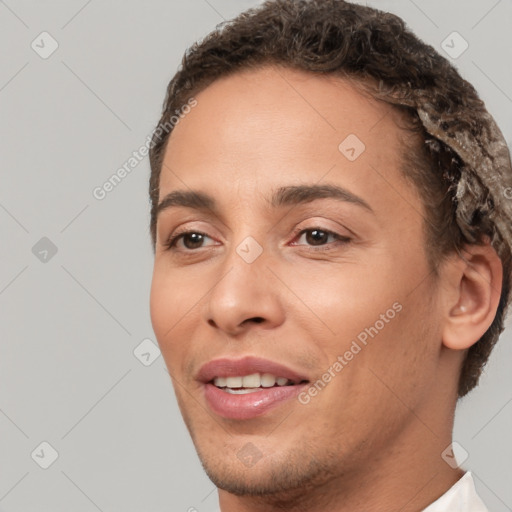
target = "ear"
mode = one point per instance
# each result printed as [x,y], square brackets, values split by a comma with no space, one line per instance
[474,280]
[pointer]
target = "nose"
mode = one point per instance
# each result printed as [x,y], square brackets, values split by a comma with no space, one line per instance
[247,296]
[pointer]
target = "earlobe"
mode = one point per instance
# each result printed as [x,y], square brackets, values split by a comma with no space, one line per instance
[476,280]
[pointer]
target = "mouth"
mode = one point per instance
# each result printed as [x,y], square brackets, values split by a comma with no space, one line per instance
[249,387]
[252,383]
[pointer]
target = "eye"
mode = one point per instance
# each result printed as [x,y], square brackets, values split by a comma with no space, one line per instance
[320,237]
[189,240]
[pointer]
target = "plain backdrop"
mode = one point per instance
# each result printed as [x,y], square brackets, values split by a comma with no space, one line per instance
[79,368]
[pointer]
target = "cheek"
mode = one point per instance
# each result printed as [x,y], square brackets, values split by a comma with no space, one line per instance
[383,365]
[167,310]
[158,305]
[377,304]
[176,299]
[343,300]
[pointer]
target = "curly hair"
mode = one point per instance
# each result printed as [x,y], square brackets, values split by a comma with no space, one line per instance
[459,162]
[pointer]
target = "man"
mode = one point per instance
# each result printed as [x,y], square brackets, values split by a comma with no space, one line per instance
[332,259]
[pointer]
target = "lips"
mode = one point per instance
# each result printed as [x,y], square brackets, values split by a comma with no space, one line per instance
[246,366]
[231,399]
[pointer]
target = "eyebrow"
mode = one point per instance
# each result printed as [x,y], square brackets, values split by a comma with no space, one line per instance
[297,194]
[284,196]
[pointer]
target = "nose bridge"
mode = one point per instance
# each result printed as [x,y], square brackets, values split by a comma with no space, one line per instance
[245,289]
[244,272]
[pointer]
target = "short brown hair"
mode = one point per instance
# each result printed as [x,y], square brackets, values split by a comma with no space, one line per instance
[460,161]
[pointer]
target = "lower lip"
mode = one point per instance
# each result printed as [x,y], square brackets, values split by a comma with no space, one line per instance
[248,405]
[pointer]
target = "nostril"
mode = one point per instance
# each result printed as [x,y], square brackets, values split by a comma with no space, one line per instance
[258,319]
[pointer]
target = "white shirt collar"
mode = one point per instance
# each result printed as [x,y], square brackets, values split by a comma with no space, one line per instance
[461,497]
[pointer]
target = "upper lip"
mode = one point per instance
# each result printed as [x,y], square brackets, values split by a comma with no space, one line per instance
[227,367]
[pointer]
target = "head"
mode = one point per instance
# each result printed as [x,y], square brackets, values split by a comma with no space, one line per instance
[351,202]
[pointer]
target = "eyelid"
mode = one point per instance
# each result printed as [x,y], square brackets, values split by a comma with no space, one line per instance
[171,241]
[325,224]
[332,222]
[190,225]
[339,237]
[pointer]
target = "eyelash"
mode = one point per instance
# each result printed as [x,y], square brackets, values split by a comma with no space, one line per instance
[170,244]
[340,239]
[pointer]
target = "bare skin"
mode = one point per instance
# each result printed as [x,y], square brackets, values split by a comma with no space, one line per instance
[371,440]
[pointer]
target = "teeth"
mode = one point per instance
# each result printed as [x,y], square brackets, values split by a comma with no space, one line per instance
[234,382]
[267,380]
[220,382]
[241,391]
[249,383]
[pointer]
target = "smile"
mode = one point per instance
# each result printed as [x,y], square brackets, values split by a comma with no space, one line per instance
[246,388]
[250,383]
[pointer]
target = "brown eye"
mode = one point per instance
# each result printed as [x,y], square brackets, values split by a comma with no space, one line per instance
[187,241]
[192,240]
[317,236]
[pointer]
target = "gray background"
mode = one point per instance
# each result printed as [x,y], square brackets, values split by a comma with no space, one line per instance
[70,323]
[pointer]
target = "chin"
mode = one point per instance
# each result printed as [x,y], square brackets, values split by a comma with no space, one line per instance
[277,478]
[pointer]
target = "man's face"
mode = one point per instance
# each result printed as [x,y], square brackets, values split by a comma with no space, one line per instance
[304,284]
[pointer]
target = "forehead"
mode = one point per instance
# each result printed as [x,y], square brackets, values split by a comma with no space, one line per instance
[259,129]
